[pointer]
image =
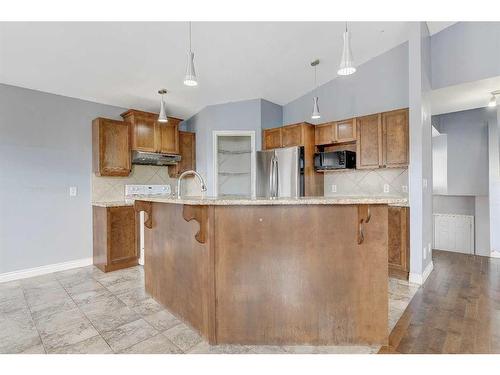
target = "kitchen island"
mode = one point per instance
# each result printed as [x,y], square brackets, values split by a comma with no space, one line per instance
[272,272]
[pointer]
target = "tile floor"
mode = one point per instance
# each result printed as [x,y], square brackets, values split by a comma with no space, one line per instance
[87,311]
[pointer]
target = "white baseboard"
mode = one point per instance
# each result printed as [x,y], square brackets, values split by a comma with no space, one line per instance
[43,270]
[418,278]
[495,254]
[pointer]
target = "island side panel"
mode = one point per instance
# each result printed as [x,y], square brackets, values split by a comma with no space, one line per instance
[297,275]
[178,268]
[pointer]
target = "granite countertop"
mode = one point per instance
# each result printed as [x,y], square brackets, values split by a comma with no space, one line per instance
[122,203]
[227,201]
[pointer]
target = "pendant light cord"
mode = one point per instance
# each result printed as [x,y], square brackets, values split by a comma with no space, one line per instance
[190,36]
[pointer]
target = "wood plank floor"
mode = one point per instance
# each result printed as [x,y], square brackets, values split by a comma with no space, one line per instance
[457,310]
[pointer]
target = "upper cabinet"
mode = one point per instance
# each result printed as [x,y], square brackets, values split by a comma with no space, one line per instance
[324,134]
[271,138]
[169,136]
[369,142]
[110,147]
[345,131]
[291,135]
[395,138]
[187,150]
[149,135]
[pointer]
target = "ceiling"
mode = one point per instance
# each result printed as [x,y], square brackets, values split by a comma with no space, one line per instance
[465,96]
[124,64]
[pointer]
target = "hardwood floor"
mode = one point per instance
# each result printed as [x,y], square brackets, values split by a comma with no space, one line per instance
[457,310]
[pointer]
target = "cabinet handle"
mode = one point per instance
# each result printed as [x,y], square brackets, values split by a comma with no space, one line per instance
[368,215]
[361,233]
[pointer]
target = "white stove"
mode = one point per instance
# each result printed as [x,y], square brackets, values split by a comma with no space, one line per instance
[135,191]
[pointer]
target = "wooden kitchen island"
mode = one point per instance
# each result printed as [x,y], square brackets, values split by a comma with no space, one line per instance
[256,271]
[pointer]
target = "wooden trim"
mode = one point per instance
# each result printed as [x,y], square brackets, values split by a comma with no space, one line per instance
[147,207]
[199,214]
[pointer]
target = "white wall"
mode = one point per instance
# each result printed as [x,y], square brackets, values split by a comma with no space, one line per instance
[45,147]
[494,181]
[440,164]
[420,169]
[482,225]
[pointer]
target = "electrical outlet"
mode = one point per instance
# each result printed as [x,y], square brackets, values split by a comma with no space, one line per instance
[429,247]
[73,191]
[404,188]
[424,182]
[334,188]
[386,188]
[425,252]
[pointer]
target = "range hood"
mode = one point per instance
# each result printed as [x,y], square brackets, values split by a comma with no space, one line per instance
[154,158]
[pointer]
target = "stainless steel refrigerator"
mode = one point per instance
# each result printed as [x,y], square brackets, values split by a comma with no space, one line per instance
[280,173]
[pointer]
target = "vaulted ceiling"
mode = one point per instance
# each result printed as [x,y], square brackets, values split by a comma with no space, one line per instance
[124,64]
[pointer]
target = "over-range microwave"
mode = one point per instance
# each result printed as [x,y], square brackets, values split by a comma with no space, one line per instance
[335,160]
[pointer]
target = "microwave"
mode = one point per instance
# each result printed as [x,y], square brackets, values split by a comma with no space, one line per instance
[335,160]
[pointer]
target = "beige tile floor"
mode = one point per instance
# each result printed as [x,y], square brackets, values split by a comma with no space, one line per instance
[87,311]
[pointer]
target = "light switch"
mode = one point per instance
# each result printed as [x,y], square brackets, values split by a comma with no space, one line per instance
[334,188]
[424,181]
[386,188]
[73,191]
[404,188]
[425,253]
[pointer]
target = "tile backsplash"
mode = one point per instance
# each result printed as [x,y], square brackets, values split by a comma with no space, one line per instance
[113,188]
[367,182]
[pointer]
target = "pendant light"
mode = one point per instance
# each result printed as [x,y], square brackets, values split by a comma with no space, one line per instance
[493,99]
[315,113]
[162,117]
[346,63]
[190,78]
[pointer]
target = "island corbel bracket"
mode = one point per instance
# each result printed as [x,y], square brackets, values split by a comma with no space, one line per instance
[200,214]
[147,207]
[364,217]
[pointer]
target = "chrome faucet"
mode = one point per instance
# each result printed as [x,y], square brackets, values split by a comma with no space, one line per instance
[198,176]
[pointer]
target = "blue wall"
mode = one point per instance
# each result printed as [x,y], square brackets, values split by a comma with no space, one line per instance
[465,52]
[378,85]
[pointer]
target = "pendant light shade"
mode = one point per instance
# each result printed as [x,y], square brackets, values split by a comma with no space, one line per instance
[315,114]
[190,77]
[346,63]
[162,117]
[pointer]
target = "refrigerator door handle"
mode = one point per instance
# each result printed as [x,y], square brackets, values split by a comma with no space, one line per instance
[273,177]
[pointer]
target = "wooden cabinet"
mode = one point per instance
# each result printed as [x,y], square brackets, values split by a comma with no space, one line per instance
[399,242]
[271,138]
[345,131]
[169,136]
[148,135]
[110,147]
[291,135]
[369,142]
[187,150]
[395,136]
[324,134]
[115,237]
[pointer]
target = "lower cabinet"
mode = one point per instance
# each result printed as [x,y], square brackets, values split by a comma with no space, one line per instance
[399,242]
[115,237]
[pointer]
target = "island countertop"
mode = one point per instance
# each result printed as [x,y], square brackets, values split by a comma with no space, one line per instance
[239,201]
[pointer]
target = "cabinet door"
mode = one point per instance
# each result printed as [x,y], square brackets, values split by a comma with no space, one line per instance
[187,150]
[145,134]
[169,136]
[395,138]
[345,131]
[291,135]
[324,134]
[122,235]
[110,147]
[369,142]
[272,138]
[398,241]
